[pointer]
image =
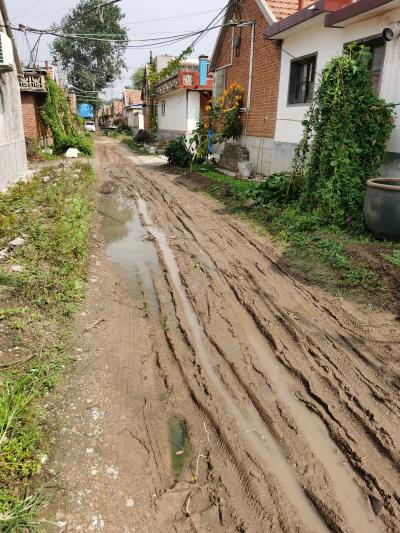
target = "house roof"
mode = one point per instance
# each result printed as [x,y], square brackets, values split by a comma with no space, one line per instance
[308,16]
[132,97]
[283,8]
[359,11]
[272,10]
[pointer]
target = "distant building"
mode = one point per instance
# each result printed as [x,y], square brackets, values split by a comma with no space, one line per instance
[132,111]
[12,139]
[32,85]
[116,112]
[181,98]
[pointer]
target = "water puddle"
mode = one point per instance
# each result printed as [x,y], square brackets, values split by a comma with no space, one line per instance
[180,449]
[250,424]
[128,246]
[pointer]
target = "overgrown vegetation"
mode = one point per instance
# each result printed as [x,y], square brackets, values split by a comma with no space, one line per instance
[56,115]
[36,300]
[345,135]
[178,153]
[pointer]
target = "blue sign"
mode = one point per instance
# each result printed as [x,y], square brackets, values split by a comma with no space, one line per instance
[85,110]
[203,67]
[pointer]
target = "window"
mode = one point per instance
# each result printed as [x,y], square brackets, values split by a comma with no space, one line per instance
[377,49]
[378,54]
[163,108]
[219,83]
[301,81]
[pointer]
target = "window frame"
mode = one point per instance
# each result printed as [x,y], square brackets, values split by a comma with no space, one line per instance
[163,108]
[313,55]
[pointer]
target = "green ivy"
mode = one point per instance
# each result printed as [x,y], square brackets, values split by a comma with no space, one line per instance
[345,134]
[56,115]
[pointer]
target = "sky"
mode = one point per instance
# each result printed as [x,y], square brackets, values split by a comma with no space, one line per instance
[144,19]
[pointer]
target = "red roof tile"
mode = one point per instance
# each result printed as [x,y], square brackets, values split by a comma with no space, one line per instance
[283,8]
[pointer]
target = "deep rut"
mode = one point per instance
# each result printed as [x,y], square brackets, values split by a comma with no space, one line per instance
[285,377]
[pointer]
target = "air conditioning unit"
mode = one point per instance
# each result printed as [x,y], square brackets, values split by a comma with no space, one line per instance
[6,52]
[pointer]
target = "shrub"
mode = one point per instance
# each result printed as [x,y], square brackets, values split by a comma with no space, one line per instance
[143,136]
[178,153]
[345,135]
[278,188]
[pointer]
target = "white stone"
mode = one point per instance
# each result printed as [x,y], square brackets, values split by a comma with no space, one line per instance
[72,153]
[130,502]
[17,268]
[19,241]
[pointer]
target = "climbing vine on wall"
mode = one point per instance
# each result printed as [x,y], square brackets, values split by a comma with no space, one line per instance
[345,134]
[56,115]
[154,78]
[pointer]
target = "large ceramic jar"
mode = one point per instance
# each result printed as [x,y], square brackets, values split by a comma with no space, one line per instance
[382,208]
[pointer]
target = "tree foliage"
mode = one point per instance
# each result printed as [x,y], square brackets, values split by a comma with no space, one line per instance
[345,134]
[91,64]
[137,79]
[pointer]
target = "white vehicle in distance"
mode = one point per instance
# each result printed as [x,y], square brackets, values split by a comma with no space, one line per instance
[90,126]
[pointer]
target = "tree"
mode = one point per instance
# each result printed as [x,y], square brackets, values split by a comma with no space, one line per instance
[137,79]
[91,64]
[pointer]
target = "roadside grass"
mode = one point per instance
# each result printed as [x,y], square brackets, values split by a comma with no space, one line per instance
[393,257]
[315,252]
[36,301]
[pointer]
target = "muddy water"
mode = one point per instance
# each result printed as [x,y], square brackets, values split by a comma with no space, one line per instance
[180,449]
[252,428]
[129,247]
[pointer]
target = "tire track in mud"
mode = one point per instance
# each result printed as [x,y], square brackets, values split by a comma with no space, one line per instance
[350,504]
[248,295]
[278,465]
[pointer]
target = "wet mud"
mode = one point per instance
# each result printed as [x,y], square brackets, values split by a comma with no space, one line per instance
[283,400]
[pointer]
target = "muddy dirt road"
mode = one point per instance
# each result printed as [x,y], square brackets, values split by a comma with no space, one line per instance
[219,393]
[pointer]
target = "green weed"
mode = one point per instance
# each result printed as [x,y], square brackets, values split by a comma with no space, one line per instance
[54,218]
[393,258]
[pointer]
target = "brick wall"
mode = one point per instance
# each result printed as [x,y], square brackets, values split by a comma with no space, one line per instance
[260,121]
[30,116]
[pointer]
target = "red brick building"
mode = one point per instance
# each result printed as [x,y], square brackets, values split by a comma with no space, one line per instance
[33,96]
[243,55]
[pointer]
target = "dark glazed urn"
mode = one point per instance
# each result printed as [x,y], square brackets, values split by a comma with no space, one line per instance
[382,208]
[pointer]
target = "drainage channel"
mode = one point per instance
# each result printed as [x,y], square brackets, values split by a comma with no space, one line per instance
[260,439]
